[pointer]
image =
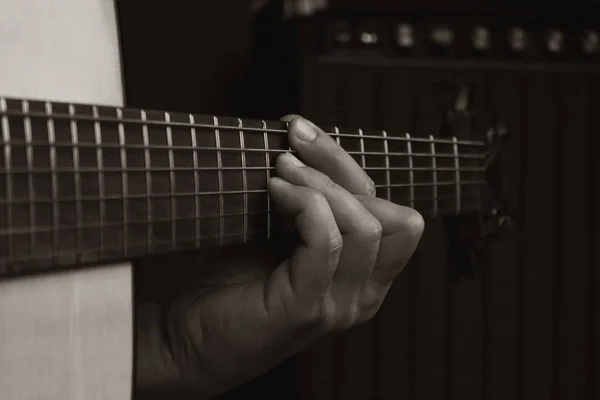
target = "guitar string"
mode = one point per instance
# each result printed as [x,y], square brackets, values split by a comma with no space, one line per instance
[189,125]
[65,199]
[42,170]
[144,222]
[189,243]
[237,128]
[59,144]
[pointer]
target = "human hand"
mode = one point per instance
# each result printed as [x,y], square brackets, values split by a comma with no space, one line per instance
[252,311]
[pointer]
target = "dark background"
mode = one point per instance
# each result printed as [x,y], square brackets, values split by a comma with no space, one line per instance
[524,325]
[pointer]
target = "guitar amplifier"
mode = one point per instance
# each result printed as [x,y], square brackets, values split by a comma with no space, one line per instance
[523,324]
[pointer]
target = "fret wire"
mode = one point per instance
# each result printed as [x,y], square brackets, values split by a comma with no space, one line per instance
[124,180]
[54,180]
[171,181]
[59,116]
[337,135]
[363,161]
[388,178]
[457,166]
[220,181]
[31,186]
[244,181]
[100,165]
[478,156]
[77,182]
[7,167]
[148,164]
[435,178]
[268,165]
[196,179]
[62,228]
[411,173]
[211,193]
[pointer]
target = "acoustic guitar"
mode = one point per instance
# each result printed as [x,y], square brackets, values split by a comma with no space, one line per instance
[87,185]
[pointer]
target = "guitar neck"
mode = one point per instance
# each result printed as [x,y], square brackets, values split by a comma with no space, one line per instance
[82,183]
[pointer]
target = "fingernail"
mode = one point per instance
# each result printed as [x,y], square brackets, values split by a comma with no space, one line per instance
[305,131]
[294,160]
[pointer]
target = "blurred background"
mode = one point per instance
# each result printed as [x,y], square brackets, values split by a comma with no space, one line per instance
[522,324]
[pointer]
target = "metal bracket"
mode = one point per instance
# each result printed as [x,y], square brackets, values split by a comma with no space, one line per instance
[469,234]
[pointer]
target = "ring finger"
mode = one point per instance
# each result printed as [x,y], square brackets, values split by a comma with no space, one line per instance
[361,231]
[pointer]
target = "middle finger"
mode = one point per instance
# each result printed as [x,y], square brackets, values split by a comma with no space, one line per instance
[319,151]
[361,231]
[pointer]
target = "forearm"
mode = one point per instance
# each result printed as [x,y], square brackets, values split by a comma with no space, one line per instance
[176,358]
[161,371]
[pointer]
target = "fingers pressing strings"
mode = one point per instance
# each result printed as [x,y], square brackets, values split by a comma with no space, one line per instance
[360,230]
[309,272]
[319,151]
[402,228]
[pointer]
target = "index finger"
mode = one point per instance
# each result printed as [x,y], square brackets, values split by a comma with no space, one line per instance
[321,152]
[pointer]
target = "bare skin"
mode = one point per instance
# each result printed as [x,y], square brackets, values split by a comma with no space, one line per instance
[255,312]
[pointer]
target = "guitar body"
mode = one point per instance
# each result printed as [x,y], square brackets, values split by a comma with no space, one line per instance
[64,335]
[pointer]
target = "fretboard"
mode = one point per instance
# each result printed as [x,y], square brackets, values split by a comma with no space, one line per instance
[83,184]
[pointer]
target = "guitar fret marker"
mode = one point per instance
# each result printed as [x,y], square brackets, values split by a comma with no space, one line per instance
[220,182]
[53,177]
[411,172]
[100,169]
[172,183]
[77,181]
[148,166]
[124,182]
[244,181]
[196,179]
[435,179]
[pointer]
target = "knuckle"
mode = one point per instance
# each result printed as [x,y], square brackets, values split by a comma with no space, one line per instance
[368,314]
[329,183]
[336,242]
[334,248]
[371,229]
[328,317]
[416,222]
[321,313]
[369,186]
[336,151]
[373,298]
[314,198]
[351,317]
